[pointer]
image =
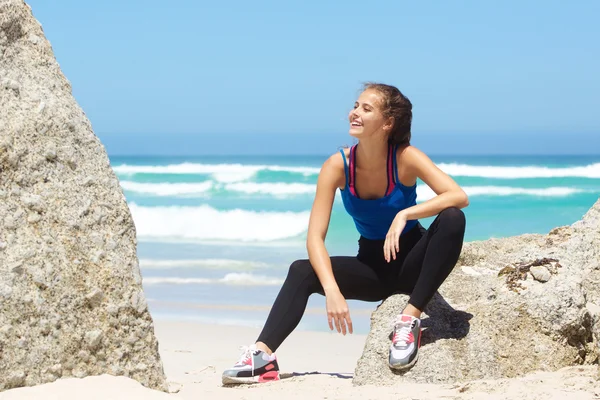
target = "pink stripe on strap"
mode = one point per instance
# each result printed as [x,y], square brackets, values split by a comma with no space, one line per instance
[352,155]
[390,173]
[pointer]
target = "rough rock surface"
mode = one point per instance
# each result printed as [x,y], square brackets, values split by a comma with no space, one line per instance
[492,319]
[71,299]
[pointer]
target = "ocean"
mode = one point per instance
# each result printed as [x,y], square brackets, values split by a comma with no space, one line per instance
[216,234]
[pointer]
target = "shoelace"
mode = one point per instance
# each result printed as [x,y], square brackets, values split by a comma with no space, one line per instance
[402,330]
[247,352]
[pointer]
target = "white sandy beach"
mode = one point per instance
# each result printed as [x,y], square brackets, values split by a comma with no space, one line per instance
[314,365]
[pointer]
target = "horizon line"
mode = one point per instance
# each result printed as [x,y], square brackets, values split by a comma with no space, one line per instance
[329,154]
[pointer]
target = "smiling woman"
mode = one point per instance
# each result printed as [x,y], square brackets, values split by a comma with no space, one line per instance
[392,104]
[377,179]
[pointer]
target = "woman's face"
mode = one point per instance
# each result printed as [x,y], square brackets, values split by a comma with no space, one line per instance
[366,118]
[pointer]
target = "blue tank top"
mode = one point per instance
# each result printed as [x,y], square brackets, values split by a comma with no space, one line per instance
[373,218]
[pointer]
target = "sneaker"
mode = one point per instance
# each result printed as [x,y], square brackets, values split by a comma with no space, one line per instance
[406,341]
[254,366]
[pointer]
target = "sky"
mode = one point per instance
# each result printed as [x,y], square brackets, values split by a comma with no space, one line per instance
[200,77]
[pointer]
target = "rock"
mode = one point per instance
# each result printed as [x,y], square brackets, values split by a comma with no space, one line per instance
[594,310]
[486,325]
[10,223]
[33,218]
[6,330]
[540,274]
[470,271]
[60,267]
[50,154]
[5,291]
[17,267]
[95,297]
[141,367]
[80,372]
[15,379]
[175,387]
[33,202]
[56,369]
[93,339]
[138,302]
[11,84]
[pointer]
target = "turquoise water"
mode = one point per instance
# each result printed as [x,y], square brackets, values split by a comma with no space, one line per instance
[216,233]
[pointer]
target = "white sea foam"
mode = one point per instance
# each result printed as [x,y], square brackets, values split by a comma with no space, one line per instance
[220,172]
[275,189]
[425,193]
[241,279]
[240,172]
[202,189]
[148,264]
[199,189]
[486,171]
[292,189]
[294,242]
[298,170]
[207,223]
[177,281]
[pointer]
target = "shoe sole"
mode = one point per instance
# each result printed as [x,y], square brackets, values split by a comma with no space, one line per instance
[404,367]
[270,376]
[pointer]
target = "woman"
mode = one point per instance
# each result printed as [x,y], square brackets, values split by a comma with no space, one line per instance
[377,178]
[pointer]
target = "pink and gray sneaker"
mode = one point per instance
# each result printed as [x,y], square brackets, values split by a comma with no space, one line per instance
[254,366]
[406,341]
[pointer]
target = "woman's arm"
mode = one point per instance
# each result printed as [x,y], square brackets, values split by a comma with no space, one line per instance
[417,165]
[330,178]
[449,194]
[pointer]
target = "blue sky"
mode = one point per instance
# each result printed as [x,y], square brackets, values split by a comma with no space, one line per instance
[272,76]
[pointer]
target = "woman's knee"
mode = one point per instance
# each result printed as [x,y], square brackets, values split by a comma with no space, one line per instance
[301,269]
[301,272]
[454,218]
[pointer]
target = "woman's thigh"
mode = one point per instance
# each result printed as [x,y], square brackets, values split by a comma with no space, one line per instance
[357,280]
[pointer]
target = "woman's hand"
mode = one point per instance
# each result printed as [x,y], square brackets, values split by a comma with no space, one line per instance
[391,246]
[337,312]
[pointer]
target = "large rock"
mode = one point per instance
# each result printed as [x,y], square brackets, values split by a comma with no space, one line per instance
[71,300]
[492,319]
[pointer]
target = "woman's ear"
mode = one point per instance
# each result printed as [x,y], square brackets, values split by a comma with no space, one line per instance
[389,124]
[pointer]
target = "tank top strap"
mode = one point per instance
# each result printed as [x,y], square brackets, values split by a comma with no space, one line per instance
[346,172]
[391,183]
[395,166]
[352,170]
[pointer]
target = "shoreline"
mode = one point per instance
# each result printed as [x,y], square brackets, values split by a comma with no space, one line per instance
[240,307]
[254,316]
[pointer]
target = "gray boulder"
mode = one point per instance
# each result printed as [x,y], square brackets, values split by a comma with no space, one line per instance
[492,319]
[71,299]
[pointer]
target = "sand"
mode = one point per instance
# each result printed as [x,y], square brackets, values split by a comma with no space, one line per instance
[314,365]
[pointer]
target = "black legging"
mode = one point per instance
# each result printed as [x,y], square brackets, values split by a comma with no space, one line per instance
[425,260]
